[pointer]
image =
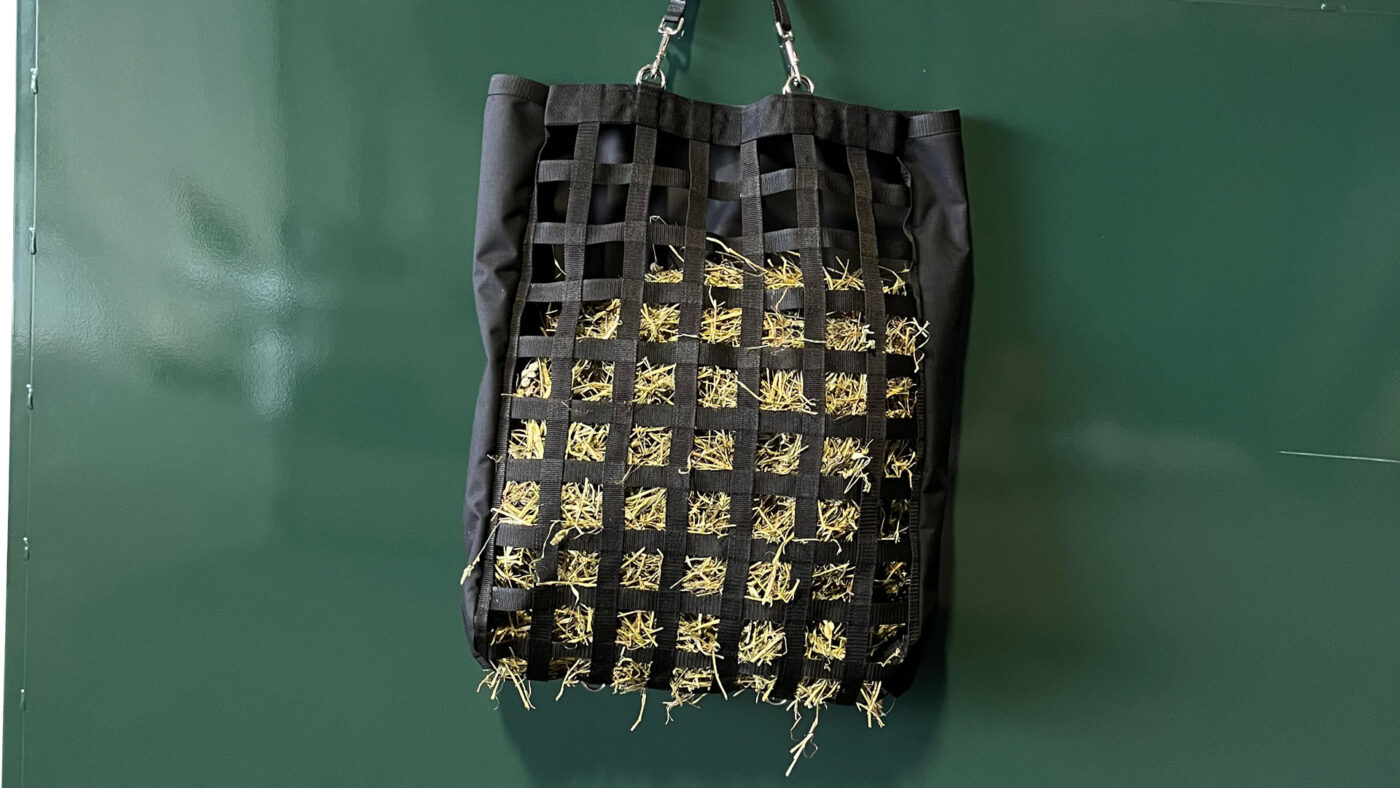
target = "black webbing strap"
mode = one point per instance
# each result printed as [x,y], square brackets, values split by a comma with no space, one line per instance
[868,535]
[560,367]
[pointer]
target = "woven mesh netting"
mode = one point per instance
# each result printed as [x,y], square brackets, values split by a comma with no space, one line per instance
[707,456]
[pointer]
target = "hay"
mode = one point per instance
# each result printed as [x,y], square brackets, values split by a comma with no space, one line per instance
[577,568]
[724,267]
[781,390]
[834,582]
[714,451]
[549,320]
[770,581]
[837,520]
[774,518]
[581,506]
[900,460]
[527,441]
[811,694]
[534,380]
[520,504]
[570,671]
[593,380]
[782,330]
[655,385]
[688,686]
[844,277]
[781,271]
[587,442]
[848,331]
[847,458]
[894,282]
[905,336]
[762,643]
[641,570]
[762,686]
[722,325]
[845,394]
[516,627]
[826,642]
[508,670]
[644,509]
[649,446]
[573,625]
[629,676]
[894,520]
[872,702]
[716,387]
[515,567]
[698,633]
[892,578]
[703,576]
[781,453]
[660,322]
[637,629]
[709,514]
[658,274]
[599,319]
[899,398]
[886,644]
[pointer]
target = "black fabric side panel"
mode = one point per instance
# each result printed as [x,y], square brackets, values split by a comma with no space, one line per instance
[940,228]
[512,134]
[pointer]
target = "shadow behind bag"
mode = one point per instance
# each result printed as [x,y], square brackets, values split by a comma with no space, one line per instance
[716,433]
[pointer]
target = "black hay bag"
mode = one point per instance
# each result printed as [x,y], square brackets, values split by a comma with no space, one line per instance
[715,439]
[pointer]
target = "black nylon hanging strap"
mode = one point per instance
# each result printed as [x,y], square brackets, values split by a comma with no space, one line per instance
[675,14]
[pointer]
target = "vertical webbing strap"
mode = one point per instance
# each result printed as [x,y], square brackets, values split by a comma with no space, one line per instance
[560,367]
[868,535]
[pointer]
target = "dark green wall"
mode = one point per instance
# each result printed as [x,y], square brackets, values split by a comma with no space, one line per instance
[254,355]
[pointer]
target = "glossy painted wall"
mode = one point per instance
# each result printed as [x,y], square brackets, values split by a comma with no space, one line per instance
[253,351]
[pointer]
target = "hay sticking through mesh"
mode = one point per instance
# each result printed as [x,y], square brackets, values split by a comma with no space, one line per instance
[688,687]
[641,570]
[549,320]
[630,676]
[845,394]
[905,336]
[895,282]
[844,277]
[520,504]
[637,629]
[649,446]
[781,390]
[811,694]
[714,451]
[725,267]
[508,670]
[515,567]
[774,518]
[899,398]
[587,442]
[781,453]
[770,581]
[644,509]
[599,319]
[722,325]
[762,643]
[660,322]
[894,520]
[900,460]
[872,702]
[834,582]
[717,387]
[581,506]
[515,627]
[762,686]
[781,330]
[658,274]
[698,633]
[892,578]
[837,520]
[655,384]
[703,576]
[709,514]
[573,625]
[781,271]
[887,644]
[569,671]
[826,642]
[534,380]
[577,568]
[527,441]
[593,380]
[848,331]
[847,458]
